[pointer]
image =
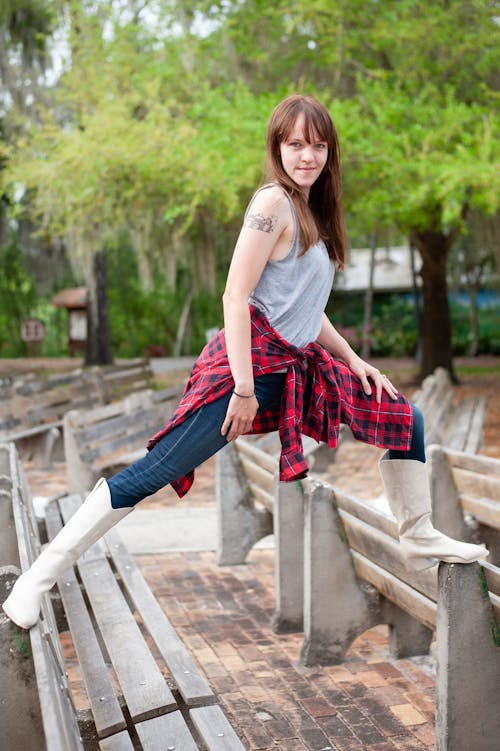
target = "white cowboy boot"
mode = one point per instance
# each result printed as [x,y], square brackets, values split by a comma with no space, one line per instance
[407,487]
[92,520]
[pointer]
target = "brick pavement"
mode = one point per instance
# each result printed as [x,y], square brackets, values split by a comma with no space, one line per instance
[223,615]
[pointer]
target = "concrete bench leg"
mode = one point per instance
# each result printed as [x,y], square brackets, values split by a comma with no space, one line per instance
[240,523]
[407,636]
[468,662]
[336,607]
[289,567]
[447,511]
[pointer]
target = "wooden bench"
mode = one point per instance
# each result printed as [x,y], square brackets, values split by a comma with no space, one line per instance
[457,425]
[32,410]
[101,441]
[144,689]
[466,496]
[355,578]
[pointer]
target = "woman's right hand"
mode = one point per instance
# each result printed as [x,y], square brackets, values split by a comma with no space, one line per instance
[240,415]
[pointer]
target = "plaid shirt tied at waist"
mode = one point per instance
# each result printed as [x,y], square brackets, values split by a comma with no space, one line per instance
[336,396]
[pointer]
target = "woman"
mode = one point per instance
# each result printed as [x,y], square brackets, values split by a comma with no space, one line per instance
[278,363]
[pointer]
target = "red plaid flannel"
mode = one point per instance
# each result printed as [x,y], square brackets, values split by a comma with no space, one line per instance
[336,397]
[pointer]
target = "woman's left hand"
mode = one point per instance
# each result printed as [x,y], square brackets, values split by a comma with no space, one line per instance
[365,371]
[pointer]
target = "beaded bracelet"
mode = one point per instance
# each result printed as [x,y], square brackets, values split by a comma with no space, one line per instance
[244,396]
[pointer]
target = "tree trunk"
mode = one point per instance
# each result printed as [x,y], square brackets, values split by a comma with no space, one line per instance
[474,322]
[366,337]
[436,323]
[98,335]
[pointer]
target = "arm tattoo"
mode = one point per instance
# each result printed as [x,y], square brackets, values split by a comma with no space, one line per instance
[262,223]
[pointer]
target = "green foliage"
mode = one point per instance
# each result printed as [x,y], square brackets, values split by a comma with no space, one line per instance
[18,298]
[23,644]
[389,340]
[134,141]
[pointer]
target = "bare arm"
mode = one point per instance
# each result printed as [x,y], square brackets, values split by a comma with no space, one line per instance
[267,219]
[331,340]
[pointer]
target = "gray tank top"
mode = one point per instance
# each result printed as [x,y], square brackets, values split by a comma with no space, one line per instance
[293,292]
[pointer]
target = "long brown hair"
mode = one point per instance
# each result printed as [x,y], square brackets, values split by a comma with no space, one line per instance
[322,216]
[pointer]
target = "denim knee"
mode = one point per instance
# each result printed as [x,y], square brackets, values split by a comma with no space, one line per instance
[417,446]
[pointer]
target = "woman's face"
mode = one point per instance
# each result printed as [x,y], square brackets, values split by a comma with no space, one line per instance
[303,161]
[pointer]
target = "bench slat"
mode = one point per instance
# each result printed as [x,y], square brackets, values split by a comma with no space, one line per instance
[458,425]
[262,496]
[104,705]
[474,438]
[482,465]
[215,730]
[190,682]
[404,596]
[485,510]
[144,688]
[166,732]
[385,552]
[476,485]
[366,513]
[265,461]
[59,724]
[258,475]
[119,742]
[492,574]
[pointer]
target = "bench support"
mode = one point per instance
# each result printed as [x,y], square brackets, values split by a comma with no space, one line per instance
[339,605]
[407,636]
[337,608]
[241,524]
[289,567]
[468,659]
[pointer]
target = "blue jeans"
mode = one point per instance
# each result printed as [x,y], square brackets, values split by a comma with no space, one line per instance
[198,438]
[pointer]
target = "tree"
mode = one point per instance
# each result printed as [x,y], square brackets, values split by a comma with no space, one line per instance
[416,116]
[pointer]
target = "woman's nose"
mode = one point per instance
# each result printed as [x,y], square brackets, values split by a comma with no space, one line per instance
[307,154]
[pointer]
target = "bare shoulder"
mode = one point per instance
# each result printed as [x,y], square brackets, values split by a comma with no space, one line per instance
[269,210]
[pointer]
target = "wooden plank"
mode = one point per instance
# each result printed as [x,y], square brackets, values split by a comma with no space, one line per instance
[485,510]
[119,742]
[492,574]
[215,729]
[385,552]
[404,596]
[247,448]
[483,465]
[475,436]
[458,426]
[166,733]
[476,485]
[262,496]
[192,685]
[495,602]
[261,477]
[435,426]
[104,705]
[366,513]
[144,688]
[59,722]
